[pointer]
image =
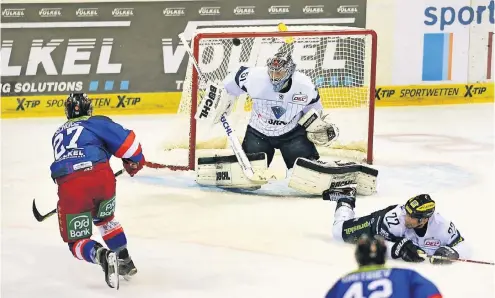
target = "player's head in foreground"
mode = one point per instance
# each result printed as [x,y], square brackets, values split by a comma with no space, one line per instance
[78,105]
[370,251]
[419,209]
[280,68]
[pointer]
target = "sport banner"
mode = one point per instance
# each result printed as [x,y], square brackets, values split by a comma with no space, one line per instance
[420,95]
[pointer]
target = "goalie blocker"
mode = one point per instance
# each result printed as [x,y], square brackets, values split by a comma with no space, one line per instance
[314,177]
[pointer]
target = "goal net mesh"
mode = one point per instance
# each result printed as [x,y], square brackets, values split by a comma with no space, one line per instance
[338,62]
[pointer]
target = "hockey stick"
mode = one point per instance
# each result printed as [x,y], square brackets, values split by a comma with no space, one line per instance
[243,160]
[39,217]
[456,260]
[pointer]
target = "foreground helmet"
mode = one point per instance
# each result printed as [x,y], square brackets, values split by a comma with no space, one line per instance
[78,105]
[370,251]
[280,69]
[420,206]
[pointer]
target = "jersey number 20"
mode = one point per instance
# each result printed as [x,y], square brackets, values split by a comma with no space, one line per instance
[380,288]
[58,141]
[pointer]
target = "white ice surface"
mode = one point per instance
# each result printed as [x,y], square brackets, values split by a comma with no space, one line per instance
[189,241]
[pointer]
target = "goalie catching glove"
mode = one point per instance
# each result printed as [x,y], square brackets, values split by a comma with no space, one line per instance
[319,130]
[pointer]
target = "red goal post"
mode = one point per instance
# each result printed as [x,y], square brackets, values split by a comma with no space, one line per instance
[350,87]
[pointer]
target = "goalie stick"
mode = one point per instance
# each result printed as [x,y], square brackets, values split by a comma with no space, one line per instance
[39,217]
[234,142]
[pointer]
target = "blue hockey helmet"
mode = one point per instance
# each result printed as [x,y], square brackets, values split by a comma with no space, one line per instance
[370,250]
[78,105]
[280,68]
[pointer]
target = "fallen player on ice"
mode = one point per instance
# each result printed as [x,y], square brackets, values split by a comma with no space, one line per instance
[414,231]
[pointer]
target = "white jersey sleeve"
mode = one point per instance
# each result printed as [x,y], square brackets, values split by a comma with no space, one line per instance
[235,82]
[450,236]
[392,227]
[273,113]
[393,223]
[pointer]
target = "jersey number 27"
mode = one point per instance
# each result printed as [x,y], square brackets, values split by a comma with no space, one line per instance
[380,288]
[59,141]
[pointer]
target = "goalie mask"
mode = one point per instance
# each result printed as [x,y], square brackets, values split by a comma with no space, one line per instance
[280,69]
[78,105]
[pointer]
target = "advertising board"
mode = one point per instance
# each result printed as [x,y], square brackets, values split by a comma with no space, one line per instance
[442,41]
[122,48]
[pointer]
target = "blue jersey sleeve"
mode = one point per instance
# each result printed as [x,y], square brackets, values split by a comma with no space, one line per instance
[422,287]
[120,142]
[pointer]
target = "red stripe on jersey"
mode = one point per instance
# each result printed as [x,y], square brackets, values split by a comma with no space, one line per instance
[126,145]
[113,233]
[79,247]
[138,150]
[438,295]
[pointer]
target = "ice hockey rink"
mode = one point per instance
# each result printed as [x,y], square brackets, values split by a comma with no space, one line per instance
[189,241]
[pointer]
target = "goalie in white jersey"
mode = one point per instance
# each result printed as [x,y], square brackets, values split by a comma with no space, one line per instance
[415,232]
[287,114]
[283,102]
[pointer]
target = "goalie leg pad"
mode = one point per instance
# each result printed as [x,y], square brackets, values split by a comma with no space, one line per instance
[225,171]
[314,177]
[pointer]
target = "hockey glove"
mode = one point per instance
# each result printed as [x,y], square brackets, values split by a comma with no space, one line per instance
[132,167]
[447,254]
[319,130]
[407,251]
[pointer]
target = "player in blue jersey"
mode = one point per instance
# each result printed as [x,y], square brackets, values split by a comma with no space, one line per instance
[373,279]
[86,185]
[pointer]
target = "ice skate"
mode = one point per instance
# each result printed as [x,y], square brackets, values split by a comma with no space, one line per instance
[108,261]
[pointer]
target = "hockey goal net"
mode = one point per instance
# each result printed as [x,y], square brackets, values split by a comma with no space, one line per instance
[341,61]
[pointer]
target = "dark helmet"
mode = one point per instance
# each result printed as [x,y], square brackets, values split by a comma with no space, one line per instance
[78,105]
[280,69]
[420,206]
[370,251]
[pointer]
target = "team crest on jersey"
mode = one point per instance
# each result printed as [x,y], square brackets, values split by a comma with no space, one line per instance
[278,111]
[432,242]
[299,98]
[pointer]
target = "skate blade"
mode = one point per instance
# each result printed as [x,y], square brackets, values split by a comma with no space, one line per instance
[113,276]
